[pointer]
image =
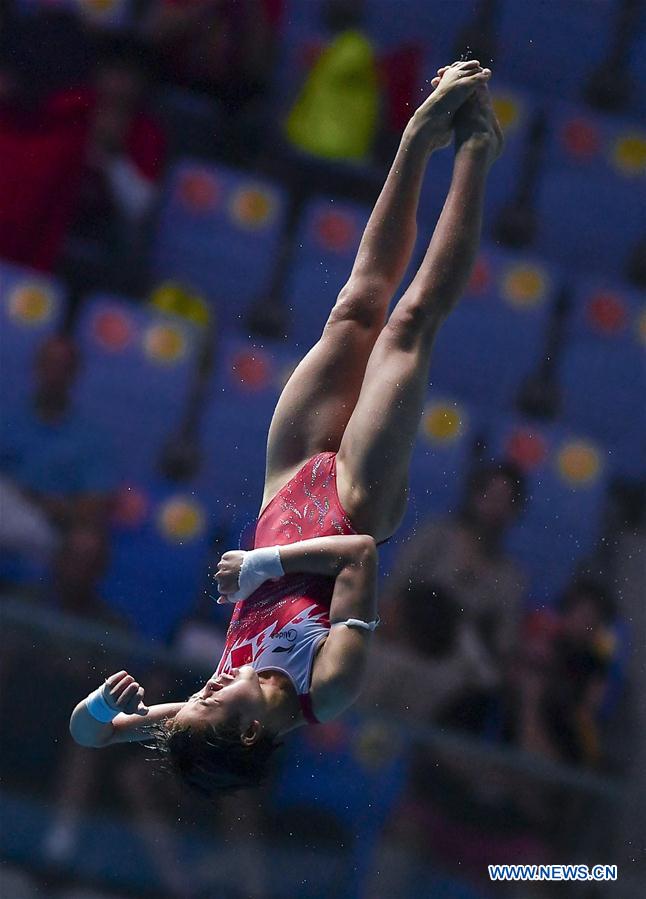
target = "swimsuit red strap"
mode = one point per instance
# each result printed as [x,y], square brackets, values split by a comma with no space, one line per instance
[306,707]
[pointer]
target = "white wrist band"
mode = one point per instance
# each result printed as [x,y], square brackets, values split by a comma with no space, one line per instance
[98,708]
[356,622]
[258,566]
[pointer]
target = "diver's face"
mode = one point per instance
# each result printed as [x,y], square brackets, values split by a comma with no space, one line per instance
[227,696]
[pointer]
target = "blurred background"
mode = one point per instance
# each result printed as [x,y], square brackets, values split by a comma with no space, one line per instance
[183,185]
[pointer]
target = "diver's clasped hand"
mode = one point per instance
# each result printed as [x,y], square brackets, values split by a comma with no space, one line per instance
[239,573]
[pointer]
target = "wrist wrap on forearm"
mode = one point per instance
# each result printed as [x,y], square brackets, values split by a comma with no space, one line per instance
[258,566]
[98,708]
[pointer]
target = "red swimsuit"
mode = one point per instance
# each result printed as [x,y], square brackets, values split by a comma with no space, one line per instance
[280,625]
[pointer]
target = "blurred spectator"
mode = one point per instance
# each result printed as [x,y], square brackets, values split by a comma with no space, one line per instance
[453,801]
[72,155]
[224,48]
[464,557]
[44,122]
[336,115]
[59,465]
[561,679]
[126,150]
[440,662]
[24,528]
[78,568]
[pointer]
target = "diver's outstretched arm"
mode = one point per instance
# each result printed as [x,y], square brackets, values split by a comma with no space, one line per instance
[116,713]
[348,556]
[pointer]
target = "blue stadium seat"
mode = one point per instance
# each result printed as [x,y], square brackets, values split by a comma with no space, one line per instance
[137,370]
[439,468]
[435,23]
[514,110]
[602,147]
[589,224]
[638,71]
[301,36]
[326,243]
[538,43]
[330,230]
[567,477]
[603,373]
[496,335]
[33,307]
[310,293]
[219,233]
[248,382]
[159,555]
[118,14]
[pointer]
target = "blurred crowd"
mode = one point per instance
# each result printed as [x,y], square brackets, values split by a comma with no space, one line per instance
[97,103]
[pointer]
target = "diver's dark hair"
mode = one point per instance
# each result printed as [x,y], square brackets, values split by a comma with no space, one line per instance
[213,761]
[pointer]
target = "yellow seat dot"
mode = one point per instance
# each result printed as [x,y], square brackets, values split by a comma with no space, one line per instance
[181,519]
[442,423]
[630,154]
[164,343]
[30,304]
[251,207]
[507,110]
[524,286]
[579,462]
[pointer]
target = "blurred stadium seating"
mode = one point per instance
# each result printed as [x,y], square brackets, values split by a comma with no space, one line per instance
[567,478]
[375,764]
[587,223]
[160,551]
[604,359]
[247,382]
[218,233]
[326,241]
[113,14]
[440,465]
[540,46]
[515,110]
[496,336]
[32,308]
[222,233]
[137,371]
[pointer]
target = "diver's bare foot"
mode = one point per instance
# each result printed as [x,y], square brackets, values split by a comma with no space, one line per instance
[476,125]
[452,87]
